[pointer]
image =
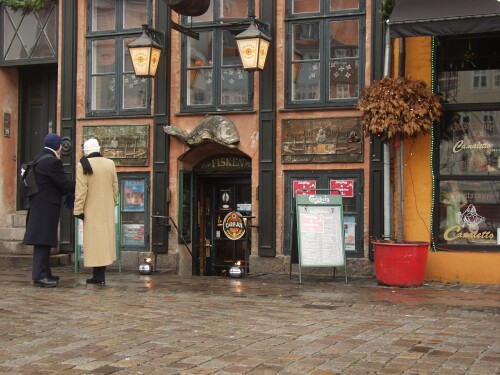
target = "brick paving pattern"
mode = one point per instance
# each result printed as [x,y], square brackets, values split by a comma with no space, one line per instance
[262,324]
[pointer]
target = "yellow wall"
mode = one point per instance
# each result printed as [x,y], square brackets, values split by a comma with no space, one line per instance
[465,267]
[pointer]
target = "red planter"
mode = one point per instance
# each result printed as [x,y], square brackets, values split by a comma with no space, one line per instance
[400,264]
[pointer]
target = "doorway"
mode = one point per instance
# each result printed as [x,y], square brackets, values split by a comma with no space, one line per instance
[218,197]
[37,113]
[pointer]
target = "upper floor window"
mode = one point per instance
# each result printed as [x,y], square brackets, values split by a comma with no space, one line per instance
[468,68]
[324,52]
[29,37]
[112,87]
[480,79]
[214,78]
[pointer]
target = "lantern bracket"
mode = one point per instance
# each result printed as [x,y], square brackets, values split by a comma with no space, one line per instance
[184,30]
[156,36]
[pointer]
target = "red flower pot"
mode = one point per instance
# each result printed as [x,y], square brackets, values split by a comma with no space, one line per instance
[400,264]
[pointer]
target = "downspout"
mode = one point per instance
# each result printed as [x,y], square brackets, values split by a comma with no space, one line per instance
[386,153]
[401,152]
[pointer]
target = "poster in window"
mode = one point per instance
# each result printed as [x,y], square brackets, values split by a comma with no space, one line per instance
[346,187]
[133,234]
[307,187]
[133,195]
[350,233]
[469,212]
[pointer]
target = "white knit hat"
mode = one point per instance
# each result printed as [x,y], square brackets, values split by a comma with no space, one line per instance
[91,146]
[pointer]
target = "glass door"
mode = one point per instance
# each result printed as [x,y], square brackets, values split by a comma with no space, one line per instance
[227,197]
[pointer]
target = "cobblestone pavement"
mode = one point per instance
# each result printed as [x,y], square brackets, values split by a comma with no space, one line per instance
[262,324]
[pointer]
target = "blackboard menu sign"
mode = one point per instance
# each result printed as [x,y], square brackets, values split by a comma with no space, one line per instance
[320,231]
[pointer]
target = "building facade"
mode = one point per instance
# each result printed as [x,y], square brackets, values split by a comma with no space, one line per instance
[205,138]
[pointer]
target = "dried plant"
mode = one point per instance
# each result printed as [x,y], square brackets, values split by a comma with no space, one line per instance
[398,106]
[24,5]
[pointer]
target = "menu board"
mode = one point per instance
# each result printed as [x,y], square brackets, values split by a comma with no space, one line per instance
[320,230]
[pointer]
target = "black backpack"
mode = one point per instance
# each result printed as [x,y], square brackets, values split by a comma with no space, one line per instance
[28,180]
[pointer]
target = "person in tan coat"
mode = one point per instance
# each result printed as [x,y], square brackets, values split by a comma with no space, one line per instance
[95,200]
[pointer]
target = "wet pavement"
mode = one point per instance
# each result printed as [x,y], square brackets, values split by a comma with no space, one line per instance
[261,324]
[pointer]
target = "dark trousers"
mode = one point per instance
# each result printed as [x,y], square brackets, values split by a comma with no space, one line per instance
[98,273]
[41,262]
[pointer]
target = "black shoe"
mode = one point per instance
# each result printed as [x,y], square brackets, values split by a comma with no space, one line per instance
[95,281]
[45,283]
[53,278]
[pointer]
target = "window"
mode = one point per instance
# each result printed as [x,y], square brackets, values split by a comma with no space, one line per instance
[29,37]
[480,79]
[214,78]
[496,78]
[349,183]
[324,52]
[467,196]
[112,87]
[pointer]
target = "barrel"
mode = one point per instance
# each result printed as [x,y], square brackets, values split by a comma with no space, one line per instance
[191,8]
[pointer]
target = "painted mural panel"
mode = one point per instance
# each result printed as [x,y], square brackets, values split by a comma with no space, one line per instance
[126,145]
[322,140]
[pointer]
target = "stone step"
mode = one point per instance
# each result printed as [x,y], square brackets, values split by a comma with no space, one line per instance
[18,219]
[15,247]
[16,261]
[12,234]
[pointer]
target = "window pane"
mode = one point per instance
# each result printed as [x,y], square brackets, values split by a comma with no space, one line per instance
[103,15]
[51,29]
[200,87]
[344,77]
[199,78]
[103,78]
[103,92]
[470,143]
[469,86]
[306,41]
[305,6]
[199,52]
[469,212]
[103,56]
[344,39]
[305,84]
[135,13]
[343,4]
[230,54]
[134,91]
[344,63]
[28,32]
[234,82]
[233,8]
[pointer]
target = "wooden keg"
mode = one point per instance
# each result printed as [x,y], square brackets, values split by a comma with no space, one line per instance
[191,8]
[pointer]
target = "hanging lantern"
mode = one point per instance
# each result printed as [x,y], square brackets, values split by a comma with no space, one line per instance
[145,54]
[253,46]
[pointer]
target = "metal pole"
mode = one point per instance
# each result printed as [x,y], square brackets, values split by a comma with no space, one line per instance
[386,153]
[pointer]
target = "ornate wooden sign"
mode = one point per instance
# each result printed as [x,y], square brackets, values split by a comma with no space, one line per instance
[324,140]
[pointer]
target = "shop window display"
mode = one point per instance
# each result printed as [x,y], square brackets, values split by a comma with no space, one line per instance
[468,156]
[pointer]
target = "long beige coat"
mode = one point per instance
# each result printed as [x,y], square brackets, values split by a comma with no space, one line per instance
[95,197]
